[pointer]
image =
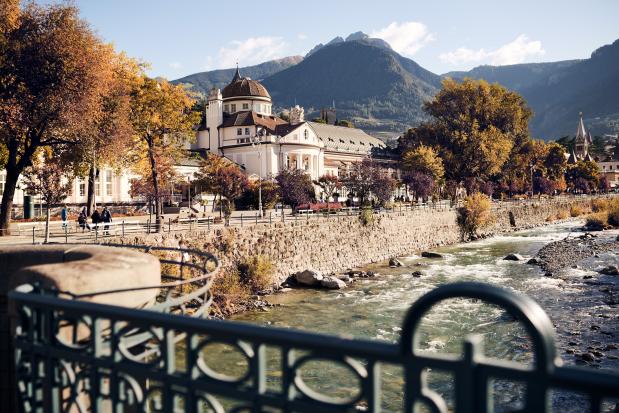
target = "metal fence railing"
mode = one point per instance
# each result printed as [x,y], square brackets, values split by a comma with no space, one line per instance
[185,372]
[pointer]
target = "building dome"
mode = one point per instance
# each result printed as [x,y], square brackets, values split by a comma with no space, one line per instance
[243,86]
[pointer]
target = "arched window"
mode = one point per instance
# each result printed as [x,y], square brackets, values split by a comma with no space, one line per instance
[306,134]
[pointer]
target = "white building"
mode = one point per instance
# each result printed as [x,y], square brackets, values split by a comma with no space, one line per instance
[239,124]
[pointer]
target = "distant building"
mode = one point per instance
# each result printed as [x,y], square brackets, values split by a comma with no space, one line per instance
[582,143]
[329,115]
[609,166]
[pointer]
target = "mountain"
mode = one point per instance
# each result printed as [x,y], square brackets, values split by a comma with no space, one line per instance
[370,84]
[204,81]
[558,91]
[351,38]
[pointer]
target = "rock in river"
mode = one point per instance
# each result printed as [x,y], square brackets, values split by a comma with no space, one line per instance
[513,257]
[610,270]
[308,277]
[332,283]
[428,254]
[394,262]
[417,274]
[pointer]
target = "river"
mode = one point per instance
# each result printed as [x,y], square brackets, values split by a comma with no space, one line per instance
[374,308]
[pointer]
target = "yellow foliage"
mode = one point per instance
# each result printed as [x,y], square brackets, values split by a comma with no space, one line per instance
[258,273]
[474,214]
[599,205]
[613,212]
[426,160]
[576,211]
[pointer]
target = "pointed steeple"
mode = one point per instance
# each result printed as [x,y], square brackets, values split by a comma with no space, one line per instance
[572,159]
[237,74]
[581,135]
[587,157]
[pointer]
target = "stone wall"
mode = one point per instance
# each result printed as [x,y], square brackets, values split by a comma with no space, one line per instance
[338,243]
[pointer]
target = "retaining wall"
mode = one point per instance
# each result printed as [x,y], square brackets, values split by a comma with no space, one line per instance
[337,243]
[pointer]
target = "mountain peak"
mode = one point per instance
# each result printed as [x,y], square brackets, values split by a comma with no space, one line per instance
[353,37]
[357,36]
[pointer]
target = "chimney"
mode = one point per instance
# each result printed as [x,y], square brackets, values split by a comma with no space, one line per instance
[297,115]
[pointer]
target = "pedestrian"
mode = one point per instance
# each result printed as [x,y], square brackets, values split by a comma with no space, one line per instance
[81,219]
[64,215]
[106,216]
[96,218]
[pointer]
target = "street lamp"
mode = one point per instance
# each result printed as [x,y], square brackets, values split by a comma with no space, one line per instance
[256,142]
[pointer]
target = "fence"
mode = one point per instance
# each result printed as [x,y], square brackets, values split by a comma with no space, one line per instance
[97,372]
[130,225]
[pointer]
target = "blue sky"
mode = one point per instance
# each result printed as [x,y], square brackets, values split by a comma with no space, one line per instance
[187,36]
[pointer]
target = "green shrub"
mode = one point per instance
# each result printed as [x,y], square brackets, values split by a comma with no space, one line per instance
[474,214]
[257,272]
[597,221]
[366,216]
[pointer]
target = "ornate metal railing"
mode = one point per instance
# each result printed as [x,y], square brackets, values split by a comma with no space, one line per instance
[60,370]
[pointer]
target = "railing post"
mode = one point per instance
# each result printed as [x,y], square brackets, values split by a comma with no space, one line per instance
[270,218]
[256,218]
[97,232]
[33,241]
[208,225]
[241,219]
[123,228]
[66,234]
[169,224]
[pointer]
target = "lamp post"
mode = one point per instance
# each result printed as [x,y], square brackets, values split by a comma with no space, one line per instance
[532,166]
[256,142]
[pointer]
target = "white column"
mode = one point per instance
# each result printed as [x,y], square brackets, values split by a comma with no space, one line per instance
[299,160]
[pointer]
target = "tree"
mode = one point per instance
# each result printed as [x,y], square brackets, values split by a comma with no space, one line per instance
[555,162]
[543,185]
[48,179]
[422,184]
[424,159]
[232,182]
[474,127]
[51,70]
[329,185]
[270,194]
[295,187]
[163,122]
[345,123]
[143,186]
[383,186]
[582,176]
[604,185]
[368,178]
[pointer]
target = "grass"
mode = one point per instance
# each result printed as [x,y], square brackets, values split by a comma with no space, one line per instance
[576,211]
[597,221]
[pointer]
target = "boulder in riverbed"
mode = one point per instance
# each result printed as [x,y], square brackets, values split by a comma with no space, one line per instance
[332,283]
[394,262]
[610,270]
[429,254]
[417,274]
[308,277]
[513,257]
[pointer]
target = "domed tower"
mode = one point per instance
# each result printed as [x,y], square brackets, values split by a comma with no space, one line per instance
[245,94]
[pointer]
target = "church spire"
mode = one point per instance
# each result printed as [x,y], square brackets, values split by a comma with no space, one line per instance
[580,131]
[237,74]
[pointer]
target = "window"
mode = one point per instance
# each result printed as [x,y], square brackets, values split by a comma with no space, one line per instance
[97,186]
[233,107]
[239,131]
[108,182]
[82,187]
[226,108]
[245,106]
[2,182]
[306,134]
[246,131]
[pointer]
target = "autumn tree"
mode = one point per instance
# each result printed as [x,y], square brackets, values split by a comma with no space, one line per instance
[232,182]
[424,159]
[50,180]
[369,178]
[474,127]
[329,185]
[162,119]
[270,194]
[51,70]
[582,176]
[295,187]
[421,184]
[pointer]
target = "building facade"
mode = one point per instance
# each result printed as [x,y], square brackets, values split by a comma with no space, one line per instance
[240,125]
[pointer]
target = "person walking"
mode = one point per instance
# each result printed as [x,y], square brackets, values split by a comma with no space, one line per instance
[64,214]
[96,218]
[106,217]
[81,219]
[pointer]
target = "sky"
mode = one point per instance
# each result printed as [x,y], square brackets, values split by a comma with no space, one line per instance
[182,37]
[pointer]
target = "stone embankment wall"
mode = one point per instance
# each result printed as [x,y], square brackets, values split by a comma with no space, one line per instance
[338,243]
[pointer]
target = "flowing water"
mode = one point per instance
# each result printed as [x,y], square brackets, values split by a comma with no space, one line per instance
[374,308]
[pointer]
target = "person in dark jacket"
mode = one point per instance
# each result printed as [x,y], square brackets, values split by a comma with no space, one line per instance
[106,216]
[96,218]
[81,219]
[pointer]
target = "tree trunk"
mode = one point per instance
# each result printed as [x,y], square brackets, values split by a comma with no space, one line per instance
[91,202]
[153,170]
[48,214]
[12,175]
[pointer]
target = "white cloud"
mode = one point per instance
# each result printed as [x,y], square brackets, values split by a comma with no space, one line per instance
[176,65]
[247,52]
[301,36]
[405,38]
[517,51]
